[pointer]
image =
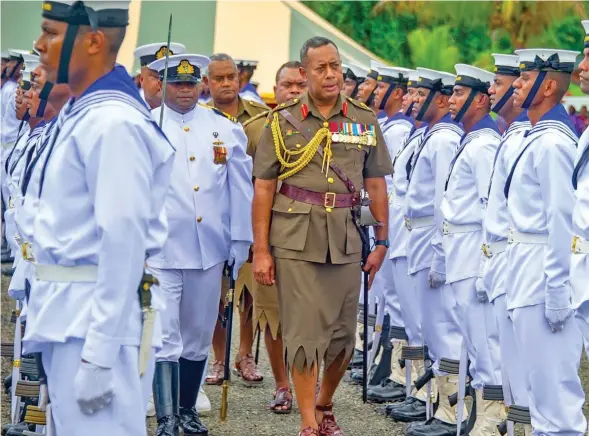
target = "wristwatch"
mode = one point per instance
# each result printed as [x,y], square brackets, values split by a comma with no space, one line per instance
[384,242]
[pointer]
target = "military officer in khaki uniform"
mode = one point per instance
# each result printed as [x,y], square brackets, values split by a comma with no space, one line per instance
[289,85]
[222,80]
[325,148]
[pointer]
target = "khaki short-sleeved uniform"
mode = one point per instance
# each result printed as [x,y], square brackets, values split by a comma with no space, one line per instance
[318,249]
[246,110]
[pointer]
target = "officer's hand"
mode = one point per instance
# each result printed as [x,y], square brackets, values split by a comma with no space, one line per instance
[374,262]
[481,291]
[263,267]
[558,308]
[436,279]
[93,387]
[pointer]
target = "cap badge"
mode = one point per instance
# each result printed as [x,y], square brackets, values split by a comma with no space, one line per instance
[185,67]
[162,52]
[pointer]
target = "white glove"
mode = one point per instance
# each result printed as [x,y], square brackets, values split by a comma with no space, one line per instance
[436,279]
[558,308]
[43,396]
[93,387]
[238,255]
[481,291]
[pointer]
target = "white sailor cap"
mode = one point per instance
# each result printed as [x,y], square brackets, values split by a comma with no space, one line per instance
[473,77]
[413,76]
[25,81]
[104,13]
[397,75]
[506,64]
[547,59]
[16,54]
[585,24]
[182,67]
[4,55]
[31,61]
[373,72]
[246,63]
[148,53]
[354,71]
[436,80]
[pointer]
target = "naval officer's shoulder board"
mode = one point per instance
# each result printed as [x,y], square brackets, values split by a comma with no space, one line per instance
[220,112]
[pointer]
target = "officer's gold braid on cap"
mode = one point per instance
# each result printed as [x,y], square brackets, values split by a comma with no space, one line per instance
[307,152]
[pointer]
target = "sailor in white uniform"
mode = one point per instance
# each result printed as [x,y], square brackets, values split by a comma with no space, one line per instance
[246,70]
[540,201]
[354,76]
[210,189]
[101,196]
[8,114]
[414,406]
[496,231]
[425,255]
[463,207]
[391,87]
[580,260]
[151,86]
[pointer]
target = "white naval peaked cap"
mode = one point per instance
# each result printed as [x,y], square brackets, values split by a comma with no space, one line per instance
[106,13]
[476,78]
[4,54]
[246,63]
[447,79]
[506,64]
[26,76]
[31,61]
[413,76]
[182,67]
[14,53]
[547,59]
[148,53]
[394,71]
[585,24]
[358,70]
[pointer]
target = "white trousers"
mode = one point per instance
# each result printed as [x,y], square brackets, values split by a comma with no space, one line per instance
[409,302]
[582,318]
[125,416]
[389,288]
[439,324]
[189,318]
[551,364]
[511,358]
[479,330]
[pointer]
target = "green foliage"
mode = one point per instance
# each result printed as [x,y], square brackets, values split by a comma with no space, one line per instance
[433,48]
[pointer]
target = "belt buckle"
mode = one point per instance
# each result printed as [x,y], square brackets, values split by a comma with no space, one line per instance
[445,228]
[487,251]
[326,200]
[576,240]
[408,223]
[11,203]
[26,251]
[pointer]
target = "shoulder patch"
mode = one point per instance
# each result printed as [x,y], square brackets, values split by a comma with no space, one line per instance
[359,104]
[256,117]
[220,112]
[256,104]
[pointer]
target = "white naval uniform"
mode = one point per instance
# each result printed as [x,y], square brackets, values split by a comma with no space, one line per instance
[540,204]
[208,206]
[103,184]
[399,234]
[580,259]
[8,111]
[462,208]
[429,168]
[496,226]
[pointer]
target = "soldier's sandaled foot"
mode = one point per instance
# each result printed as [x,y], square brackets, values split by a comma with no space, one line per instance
[247,370]
[328,426]
[411,411]
[191,423]
[168,426]
[215,377]
[282,403]
[309,431]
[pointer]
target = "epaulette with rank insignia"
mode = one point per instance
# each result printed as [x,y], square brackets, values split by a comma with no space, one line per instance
[256,104]
[256,117]
[286,104]
[220,112]
[359,104]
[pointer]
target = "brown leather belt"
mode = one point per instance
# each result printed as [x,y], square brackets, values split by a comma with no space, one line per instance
[325,199]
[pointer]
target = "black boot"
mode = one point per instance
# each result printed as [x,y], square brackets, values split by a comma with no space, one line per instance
[8,384]
[383,369]
[388,391]
[191,372]
[411,410]
[435,427]
[165,398]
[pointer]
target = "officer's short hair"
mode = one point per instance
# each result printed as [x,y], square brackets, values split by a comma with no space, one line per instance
[315,42]
[222,57]
[289,65]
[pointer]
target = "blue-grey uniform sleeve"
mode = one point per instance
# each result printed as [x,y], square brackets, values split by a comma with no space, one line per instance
[443,149]
[241,191]
[119,174]
[553,162]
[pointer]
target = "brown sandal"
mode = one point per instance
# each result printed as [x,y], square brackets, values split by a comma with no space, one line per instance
[308,431]
[282,398]
[246,369]
[215,377]
[328,426]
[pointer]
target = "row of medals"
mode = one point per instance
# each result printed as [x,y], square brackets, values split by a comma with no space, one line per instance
[350,139]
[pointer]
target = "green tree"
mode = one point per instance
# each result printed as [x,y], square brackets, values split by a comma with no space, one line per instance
[434,49]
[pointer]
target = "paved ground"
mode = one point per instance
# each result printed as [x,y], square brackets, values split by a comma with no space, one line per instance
[247,406]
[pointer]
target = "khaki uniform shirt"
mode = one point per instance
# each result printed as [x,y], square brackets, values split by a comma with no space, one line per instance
[246,109]
[314,233]
[254,128]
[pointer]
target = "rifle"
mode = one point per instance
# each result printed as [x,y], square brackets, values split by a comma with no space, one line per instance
[229,323]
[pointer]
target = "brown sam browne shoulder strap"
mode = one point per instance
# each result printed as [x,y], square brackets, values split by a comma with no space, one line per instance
[307,135]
